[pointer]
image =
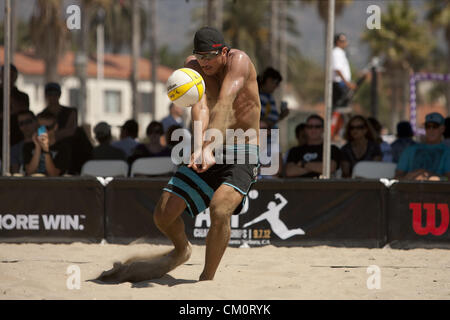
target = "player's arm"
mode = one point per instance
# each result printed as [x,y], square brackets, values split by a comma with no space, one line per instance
[199,118]
[200,110]
[237,74]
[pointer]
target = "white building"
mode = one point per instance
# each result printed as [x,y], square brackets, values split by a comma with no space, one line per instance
[108,99]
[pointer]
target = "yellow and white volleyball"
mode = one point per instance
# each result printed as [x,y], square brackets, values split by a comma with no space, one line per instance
[185,87]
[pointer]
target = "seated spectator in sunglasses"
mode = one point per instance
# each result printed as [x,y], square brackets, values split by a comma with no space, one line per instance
[361,145]
[404,139]
[27,123]
[306,161]
[429,160]
[156,146]
[44,155]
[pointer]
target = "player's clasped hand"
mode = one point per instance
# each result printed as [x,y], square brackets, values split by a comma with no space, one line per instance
[202,160]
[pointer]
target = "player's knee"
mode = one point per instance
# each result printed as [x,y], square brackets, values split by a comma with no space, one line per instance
[220,215]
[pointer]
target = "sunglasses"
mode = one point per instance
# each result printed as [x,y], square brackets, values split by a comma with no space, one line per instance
[432,125]
[206,56]
[25,122]
[360,127]
[314,126]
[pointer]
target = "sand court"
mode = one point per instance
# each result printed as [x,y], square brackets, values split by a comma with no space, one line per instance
[47,271]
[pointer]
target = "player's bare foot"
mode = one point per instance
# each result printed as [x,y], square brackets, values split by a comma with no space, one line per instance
[140,269]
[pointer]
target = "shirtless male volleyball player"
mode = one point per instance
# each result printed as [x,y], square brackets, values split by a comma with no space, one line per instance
[231,101]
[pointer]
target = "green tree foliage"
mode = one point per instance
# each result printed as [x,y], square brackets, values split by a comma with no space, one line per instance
[405,43]
[49,35]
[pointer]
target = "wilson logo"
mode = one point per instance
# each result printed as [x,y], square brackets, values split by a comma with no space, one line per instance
[431,221]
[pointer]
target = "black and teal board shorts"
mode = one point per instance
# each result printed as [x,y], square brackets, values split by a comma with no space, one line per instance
[197,189]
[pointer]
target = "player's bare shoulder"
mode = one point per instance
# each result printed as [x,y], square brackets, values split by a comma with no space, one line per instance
[238,60]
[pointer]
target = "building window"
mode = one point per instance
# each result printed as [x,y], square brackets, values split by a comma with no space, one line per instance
[146,105]
[74,97]
[112,101]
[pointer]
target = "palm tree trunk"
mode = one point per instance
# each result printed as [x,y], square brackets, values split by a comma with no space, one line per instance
[135,38]
[214,17]
[81,61]
[273,37]
[154,57]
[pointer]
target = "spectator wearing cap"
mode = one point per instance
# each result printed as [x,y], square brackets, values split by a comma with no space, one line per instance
[105,151]
[429,160]
[19,101]
[404,140]
[45,155]
[66,116]
[175,118]
[447,132]
[128,134]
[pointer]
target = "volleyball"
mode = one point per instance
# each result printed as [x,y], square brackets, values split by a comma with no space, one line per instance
[185,87]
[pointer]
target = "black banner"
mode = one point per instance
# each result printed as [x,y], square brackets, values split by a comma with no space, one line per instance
[51,209]
[419,212]
[306,212]
[129,206]
[283,212]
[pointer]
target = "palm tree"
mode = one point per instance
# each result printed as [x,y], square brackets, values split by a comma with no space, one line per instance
[438,14]
[214,13]
[322,9]
[405,45]
[49,35]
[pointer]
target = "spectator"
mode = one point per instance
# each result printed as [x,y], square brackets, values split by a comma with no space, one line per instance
[385,147]
[300,134]
[156,146]
[128,135]
[19,101]
[268,82]
[66,116]
[105,151]
[175,117]
[361,145]
[306,161]
[404,139]
[44,154]
[429,160]
[27,122]
[447,132]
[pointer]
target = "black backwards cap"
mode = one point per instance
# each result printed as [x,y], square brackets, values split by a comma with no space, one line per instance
[208,39]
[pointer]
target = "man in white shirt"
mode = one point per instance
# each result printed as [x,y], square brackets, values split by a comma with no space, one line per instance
[342,77]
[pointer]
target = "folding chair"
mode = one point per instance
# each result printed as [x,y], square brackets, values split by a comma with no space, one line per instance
[105,168]
[152,166]
[374,170]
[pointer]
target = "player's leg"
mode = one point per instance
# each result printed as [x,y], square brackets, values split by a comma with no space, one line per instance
[167,218]
[224,202]
[139,268]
